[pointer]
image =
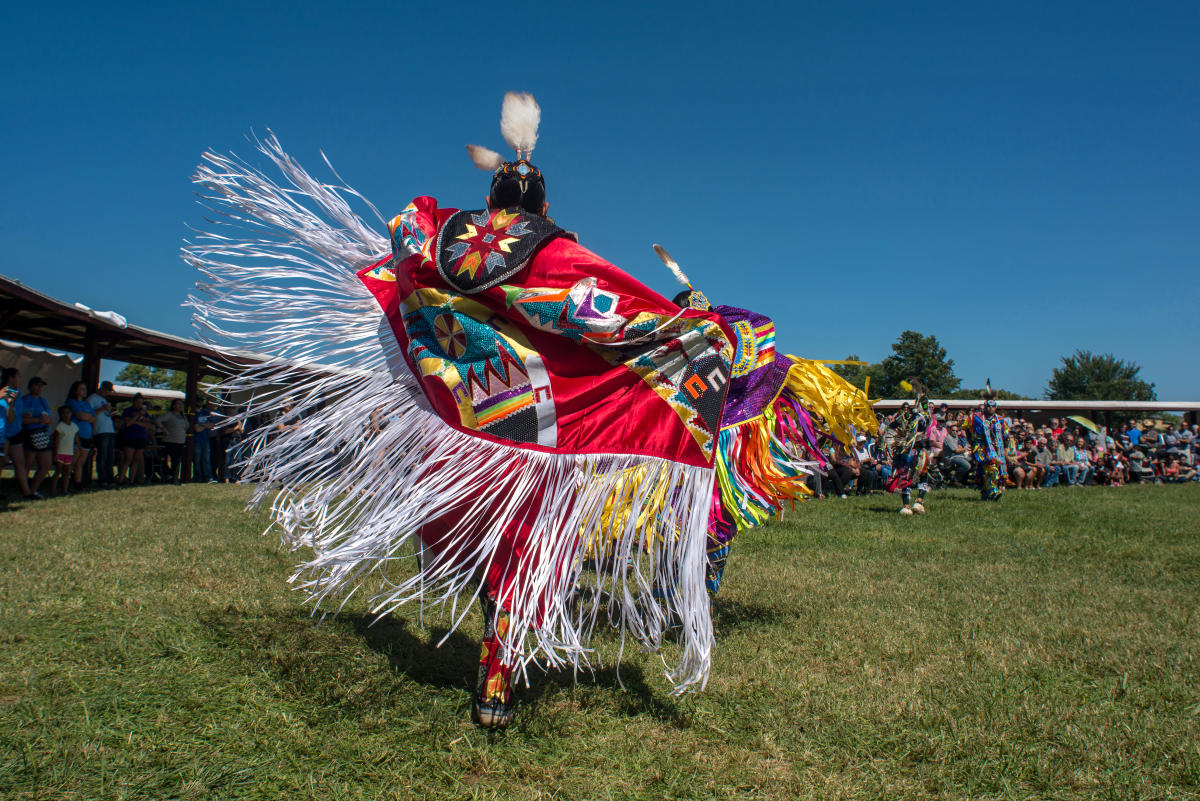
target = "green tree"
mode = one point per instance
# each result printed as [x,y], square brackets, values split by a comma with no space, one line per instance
[857,374]
[977,394]
[139,375]
[915,355]
[1088,376]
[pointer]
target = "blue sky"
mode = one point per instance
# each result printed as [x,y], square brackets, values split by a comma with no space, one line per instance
[1018,179]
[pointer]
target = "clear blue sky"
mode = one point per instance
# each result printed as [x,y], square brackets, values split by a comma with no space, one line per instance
[852,170]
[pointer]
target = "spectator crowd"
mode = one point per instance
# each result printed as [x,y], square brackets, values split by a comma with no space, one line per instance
[93,440]
[1058,453]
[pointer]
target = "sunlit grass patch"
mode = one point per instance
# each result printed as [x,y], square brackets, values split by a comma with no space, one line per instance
[1043,647]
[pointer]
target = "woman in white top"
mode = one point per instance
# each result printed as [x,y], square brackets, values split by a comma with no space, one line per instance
[174,427]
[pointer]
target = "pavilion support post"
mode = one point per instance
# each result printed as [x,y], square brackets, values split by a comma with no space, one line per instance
[190,406]
[91,360]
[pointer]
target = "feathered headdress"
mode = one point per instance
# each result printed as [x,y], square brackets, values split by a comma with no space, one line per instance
[988,394]
[515,183]
[918,390]
[695,298]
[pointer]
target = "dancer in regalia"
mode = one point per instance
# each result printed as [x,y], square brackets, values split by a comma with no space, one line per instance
[911,449]
[778,412]
[542,411]
[988,434]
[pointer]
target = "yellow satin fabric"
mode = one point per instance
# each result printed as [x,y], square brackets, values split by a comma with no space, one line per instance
[839,403]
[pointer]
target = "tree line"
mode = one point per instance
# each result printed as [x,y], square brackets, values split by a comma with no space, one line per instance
[1082,375]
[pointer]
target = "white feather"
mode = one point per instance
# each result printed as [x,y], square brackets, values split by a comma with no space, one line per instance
[485,159]
[519,119]
[673,266]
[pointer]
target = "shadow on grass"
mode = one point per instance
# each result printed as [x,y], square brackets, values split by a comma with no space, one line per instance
[617,689]
[321,660]
[316,660]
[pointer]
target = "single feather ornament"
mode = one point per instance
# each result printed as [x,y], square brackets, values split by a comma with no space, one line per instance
[519,119]
[484,158]
[673,266]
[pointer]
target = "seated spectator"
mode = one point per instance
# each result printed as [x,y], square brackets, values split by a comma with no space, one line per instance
[955,458]
[1064,457]
[868,467]
[1140,470]
[1035,473]
[1012,460]
[1083,463]
[1170,471]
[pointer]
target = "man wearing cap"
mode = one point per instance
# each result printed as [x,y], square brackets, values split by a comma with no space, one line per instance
[35,433]
[104,434]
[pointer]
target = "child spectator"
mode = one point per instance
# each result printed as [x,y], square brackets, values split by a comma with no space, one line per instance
[65,434]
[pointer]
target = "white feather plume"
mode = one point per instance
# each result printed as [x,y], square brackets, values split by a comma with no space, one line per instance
[485,159]
[673,266]
[519,119]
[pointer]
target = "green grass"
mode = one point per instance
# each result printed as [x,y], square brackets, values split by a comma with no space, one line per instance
[1045,647]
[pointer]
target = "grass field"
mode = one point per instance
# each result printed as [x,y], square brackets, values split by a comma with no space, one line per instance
[1045,647]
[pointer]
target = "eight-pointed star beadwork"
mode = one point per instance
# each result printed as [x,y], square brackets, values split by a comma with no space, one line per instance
[487,237]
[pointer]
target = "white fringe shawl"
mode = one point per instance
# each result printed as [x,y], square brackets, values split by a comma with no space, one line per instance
[364,462]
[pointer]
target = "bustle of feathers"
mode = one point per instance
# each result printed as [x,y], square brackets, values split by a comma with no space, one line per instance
[519,119]
[673,266]
[484,158]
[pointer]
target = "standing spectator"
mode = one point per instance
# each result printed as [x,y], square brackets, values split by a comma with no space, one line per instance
[35,434]
[104,435]
[233,439]
[8,414]
[135,428]
[175,430]
[218,442]
[65,434]
[202,425]
[13,430]
[83,417]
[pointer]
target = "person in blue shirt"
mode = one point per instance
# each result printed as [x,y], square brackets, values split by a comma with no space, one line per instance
[82,416]
[1135,436]
[35,434]
[202,423]
[10,379]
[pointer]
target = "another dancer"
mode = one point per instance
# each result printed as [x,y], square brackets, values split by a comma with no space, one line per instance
[988,435]
[910,444]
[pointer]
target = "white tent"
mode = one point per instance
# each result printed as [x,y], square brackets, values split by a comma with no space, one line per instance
[57,368]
